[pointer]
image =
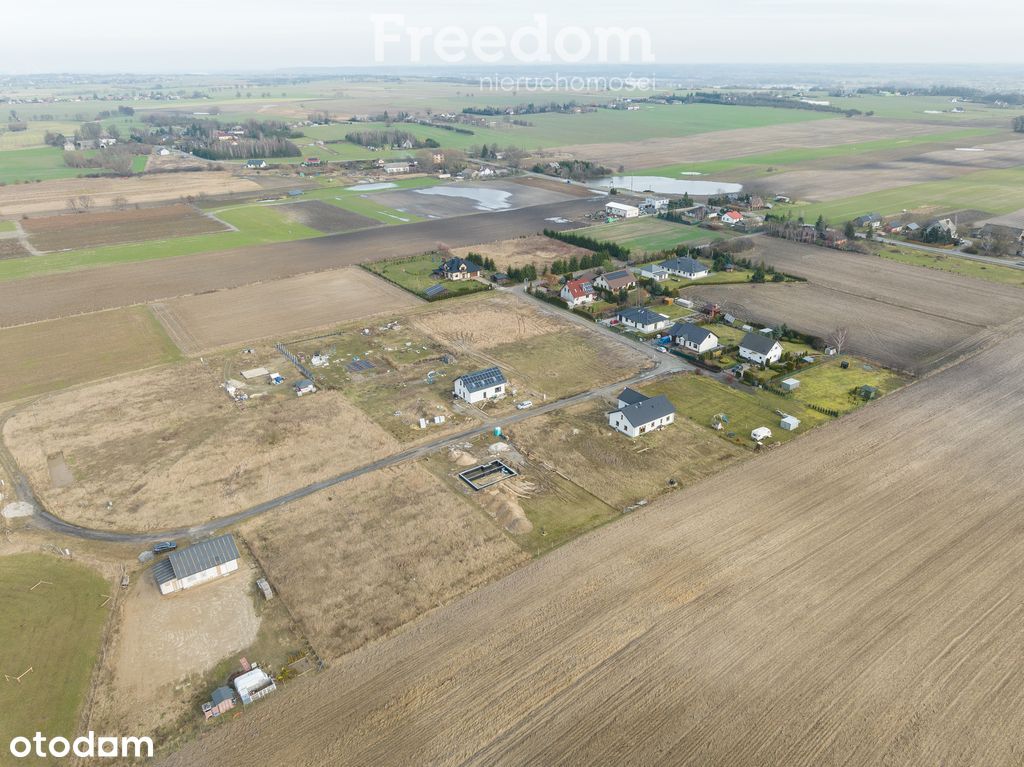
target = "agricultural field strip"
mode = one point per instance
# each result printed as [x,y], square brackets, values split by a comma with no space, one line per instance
[731,628]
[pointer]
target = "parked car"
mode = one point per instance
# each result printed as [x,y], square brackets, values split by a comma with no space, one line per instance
[524,405]
[163,546]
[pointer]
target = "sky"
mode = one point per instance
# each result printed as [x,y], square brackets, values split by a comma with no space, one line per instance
[262,35]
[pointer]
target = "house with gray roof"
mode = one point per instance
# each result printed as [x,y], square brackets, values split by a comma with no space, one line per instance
[616,281]
[639,414]
[692,337]
[642,319]
[684,266]
[459,269]
[197,564]
[489,383]
[760,348]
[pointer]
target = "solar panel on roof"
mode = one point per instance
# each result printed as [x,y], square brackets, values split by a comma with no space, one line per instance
[483,379]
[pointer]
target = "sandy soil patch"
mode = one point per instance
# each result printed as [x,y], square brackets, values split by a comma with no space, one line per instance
[169,448]
[357,562]
[533,249]
[52,196]
[206,321]
[483,324]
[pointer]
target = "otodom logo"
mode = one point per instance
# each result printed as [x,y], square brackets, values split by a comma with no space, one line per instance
[88,746]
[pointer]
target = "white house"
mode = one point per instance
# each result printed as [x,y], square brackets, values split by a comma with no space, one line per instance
[684,266]
[642,319]
[480,385]
[620,210]
[654,205]
[397,167]
[578,292]
[459,269]
[692,337]
[253,685]
[616,281]
[638,414]
[196,564]
[759,348]
[655,272]
[731,217]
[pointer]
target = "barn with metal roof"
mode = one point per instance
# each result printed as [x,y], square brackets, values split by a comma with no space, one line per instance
[197,564]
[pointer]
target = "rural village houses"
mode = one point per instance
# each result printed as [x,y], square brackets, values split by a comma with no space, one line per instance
[638,414]
[616,281]
[459,269]
[692,337]
[760,348]
[642,319]
[687,267]
[578,292]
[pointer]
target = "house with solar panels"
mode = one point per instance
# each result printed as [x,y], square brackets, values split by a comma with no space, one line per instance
[481,385]
[203,562]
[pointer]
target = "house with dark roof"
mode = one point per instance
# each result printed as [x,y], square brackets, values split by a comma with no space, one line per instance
[872,219]
[642,319]
[684,266]
[616,281]
[578,292]
[222,701]
[760,348]
[459,269]
[197,564]
[489,383]
[692,337]
[638,414]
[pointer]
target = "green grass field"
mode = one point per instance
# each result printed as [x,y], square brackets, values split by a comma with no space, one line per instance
[8,226]
[1006,275]
[828,385]
[995,191]
[40,164]
[650,235]
[414,274]
[791,157]
[700,398]
[55,630]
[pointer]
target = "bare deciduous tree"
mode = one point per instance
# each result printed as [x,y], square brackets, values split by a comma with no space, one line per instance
[837,338]
[72,205]
[120,202]
[85,202]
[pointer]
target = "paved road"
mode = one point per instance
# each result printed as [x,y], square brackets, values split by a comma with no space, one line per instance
[947,252]
[663,364]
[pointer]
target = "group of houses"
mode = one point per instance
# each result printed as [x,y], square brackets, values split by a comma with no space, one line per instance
[583,290]
[649,206]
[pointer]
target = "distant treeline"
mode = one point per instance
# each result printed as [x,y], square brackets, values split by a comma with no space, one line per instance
[522,109]
[242,149]
[577,170]
[951,91]
[761,100]
[391,137]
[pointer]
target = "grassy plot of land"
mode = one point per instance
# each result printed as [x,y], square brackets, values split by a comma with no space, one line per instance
[53,629]
[701,398]
[615,468]
[995,191]
[830,386]
[41,164]
[651,235]
[8,226]
[52,355]
[416,275]
[113,227]
[1006,275]
[797,156]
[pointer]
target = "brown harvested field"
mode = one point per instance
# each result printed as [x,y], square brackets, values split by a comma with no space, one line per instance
[728,144]
[55,295]
[170,449]
[554,185]
[927,291]
[544,354]
[618,470]
[846,599]
[47,356]
[355,563]
[202,322]
[894,336]
[52,196]
[324,217]
[532,249]
[87,230]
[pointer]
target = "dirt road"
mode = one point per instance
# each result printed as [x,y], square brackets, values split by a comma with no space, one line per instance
[853,598]
[58,295]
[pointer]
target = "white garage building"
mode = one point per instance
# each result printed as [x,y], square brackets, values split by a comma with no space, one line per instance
[197,564]
[620,210]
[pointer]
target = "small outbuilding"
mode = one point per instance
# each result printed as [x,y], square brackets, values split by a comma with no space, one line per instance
[253,685]
[868,392]
[790,384]
[761,433]
[790,423]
